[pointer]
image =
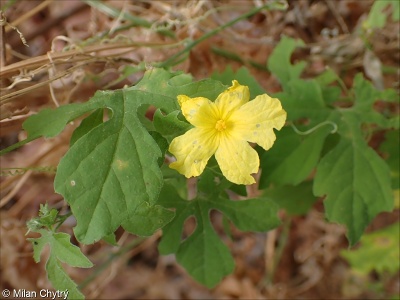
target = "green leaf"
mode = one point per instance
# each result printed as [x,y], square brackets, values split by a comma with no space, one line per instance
[389,95]
[377,18]
[330,94]
[365,96]
[106,174]
[357,184]
[327,77]
[296,200]
[49,123]
[162,143]
[259,214]
[95,119]
[141,114]
[279,61]
[111,174]
[243,76]
[148,219]
[170,241]
[48,219]
[293,157]
[169,85]
[170,126]
[61,250]
[125,72]
[111,239]
[354,178]
[60,247]
[378,251]
[391,147]
[211,183]
[47,216]
[304,99]
[60,280]
[203,254]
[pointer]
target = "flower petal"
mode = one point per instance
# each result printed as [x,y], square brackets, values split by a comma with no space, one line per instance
[199,111]
[237,160]
[192,151]
[231,99]
[254,121]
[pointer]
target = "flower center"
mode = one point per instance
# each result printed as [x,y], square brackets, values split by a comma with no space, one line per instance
[220,125]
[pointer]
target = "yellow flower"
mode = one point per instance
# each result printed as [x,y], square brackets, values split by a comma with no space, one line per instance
[224,128]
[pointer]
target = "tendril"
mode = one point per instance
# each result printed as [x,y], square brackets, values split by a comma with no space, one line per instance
[3,22]
[311,130]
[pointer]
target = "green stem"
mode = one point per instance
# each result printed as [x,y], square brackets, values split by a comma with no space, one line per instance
[282,242]
[61,220]
[235,57]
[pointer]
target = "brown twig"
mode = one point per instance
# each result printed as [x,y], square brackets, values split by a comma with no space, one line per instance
[8,97]
[339,18]
[43,59]
[3,23]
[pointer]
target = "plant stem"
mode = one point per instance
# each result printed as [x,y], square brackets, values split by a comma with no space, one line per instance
[282,241]
[2,40]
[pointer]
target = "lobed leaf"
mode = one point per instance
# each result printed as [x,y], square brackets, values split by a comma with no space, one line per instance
[296,200]
[304,99]
[365,96]
[249,215]
[279,61]
[357,183]
[243,76]
[147,219]
[378,251]
[92,121]
[377,17]
[60,247]
[203,254]
[60,280]
[170,126]
[108,173]
[354,178]
[391,148]
[293,157]
[61,250]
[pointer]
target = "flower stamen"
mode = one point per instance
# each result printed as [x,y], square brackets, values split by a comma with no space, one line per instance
[220,125]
